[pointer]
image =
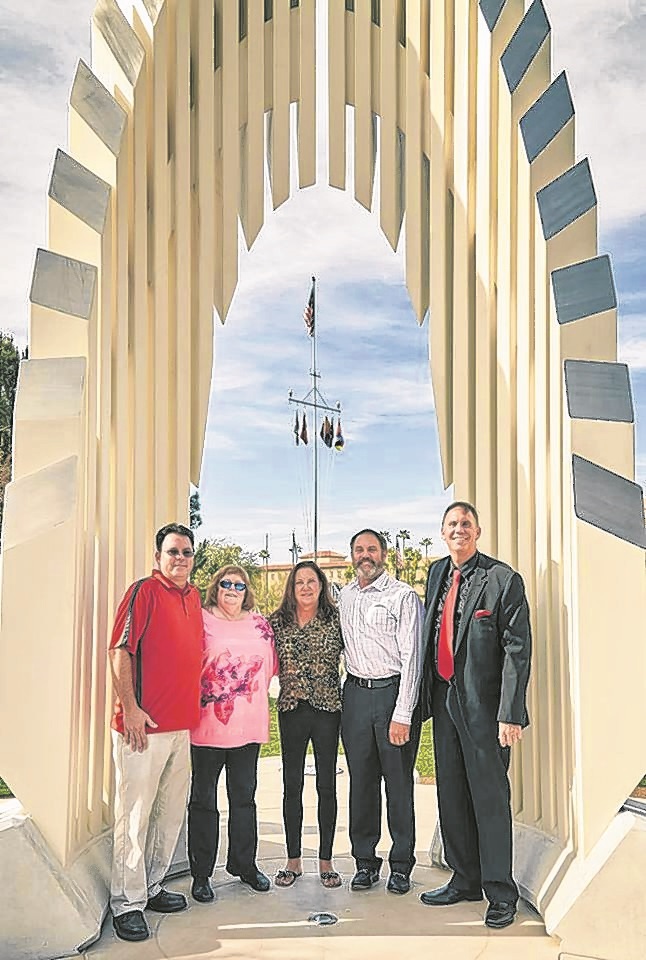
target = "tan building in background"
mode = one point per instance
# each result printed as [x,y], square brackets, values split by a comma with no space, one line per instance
[333,564]
[171,132]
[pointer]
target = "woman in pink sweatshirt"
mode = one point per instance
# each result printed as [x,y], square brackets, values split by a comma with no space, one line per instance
[239,662]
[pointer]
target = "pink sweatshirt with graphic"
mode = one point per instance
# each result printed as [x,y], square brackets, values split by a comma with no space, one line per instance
[239,662]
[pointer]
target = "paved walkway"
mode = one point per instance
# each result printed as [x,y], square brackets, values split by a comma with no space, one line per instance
[372,924]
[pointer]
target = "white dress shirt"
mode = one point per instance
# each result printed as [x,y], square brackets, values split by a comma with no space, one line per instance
[382,634]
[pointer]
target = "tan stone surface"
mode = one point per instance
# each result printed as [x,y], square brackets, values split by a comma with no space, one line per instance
[375,924]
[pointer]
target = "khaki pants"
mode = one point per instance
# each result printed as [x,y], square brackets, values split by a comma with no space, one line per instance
[151,790]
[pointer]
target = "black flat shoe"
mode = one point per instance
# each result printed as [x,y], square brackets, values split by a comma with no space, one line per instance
[447,895]
[398,883]
[167,902]
[256,880]
[365,878]
[131,926]
[500,914]
[201,890]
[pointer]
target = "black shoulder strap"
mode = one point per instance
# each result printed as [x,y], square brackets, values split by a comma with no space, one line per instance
[126,631]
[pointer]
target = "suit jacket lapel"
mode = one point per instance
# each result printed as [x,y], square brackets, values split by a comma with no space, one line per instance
[477,586]
[438,572]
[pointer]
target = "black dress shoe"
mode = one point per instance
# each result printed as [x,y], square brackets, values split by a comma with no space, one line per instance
[447,895]
[167,902]
[500,914]
[201,890]
[131,926]
[364,878]
[398,883]
[256,880]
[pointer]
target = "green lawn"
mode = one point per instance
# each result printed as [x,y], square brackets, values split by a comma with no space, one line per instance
[425,761]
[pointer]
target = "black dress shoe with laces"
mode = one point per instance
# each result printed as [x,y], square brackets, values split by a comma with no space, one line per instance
[398,882]
[500,914]
[201,890]
[447,895]
[256,880]
[167,902]
[365,878]
[131,926]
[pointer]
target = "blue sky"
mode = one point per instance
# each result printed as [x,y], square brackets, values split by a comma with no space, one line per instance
[372,354]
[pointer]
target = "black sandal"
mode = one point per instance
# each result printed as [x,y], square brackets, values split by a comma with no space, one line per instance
[285,878]
[330,879]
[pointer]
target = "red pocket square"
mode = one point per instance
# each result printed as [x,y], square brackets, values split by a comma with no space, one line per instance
[479,614]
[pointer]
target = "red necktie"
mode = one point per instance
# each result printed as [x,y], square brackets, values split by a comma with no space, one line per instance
[445,645]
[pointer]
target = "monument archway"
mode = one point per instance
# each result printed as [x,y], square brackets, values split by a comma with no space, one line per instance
[165,158]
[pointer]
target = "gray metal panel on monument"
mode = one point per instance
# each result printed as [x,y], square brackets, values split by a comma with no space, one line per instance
[50,388]
[566,199]
[608,501]
[491,10]
[120,37]
[80,191]
[98,108]
[546,117]
[63,284]
[40,501]
[584,289]
[598,390]
[529,37]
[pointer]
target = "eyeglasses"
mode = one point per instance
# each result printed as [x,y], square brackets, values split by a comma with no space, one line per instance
[174,552]
[227,584]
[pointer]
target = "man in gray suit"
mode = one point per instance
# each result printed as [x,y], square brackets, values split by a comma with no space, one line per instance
[478,650]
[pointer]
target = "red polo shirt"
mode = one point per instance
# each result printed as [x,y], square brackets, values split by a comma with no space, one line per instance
[161,628]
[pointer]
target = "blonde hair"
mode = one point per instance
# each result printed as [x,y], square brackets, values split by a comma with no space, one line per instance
[249,600]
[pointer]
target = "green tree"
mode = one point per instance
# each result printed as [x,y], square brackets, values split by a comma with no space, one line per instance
[210,555]
[9,363]
[10,358]
[427,542]
[195,511]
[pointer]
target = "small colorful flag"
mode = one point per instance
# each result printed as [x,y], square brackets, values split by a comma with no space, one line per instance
[327,432]
[297,428]
[304,429]
[339,443]
[399,560]
[309,312]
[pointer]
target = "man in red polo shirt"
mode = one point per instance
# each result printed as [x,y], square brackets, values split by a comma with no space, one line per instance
[156,655]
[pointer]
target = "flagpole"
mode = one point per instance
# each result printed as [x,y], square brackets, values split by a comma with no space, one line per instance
[315,434]
[316,401]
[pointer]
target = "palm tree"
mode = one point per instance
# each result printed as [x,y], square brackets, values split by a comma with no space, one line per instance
[386,535]
[426,543]
[404,535]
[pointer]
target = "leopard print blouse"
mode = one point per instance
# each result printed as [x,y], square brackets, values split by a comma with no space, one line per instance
[309,663]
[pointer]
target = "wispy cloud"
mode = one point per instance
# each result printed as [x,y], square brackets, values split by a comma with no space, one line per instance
[601,44]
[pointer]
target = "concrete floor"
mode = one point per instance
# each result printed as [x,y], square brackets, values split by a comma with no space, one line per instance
[372,924]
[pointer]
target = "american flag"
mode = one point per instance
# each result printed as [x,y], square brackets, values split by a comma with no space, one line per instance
[308,313]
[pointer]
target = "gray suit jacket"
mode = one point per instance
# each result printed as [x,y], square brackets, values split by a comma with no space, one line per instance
[492,649]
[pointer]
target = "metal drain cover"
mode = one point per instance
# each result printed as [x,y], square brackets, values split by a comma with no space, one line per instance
[323,919]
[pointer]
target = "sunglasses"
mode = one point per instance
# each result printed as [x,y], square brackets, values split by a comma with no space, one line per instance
[175,553]
[227,584]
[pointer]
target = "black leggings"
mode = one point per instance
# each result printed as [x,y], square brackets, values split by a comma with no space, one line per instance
[204,817]
[297,728]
